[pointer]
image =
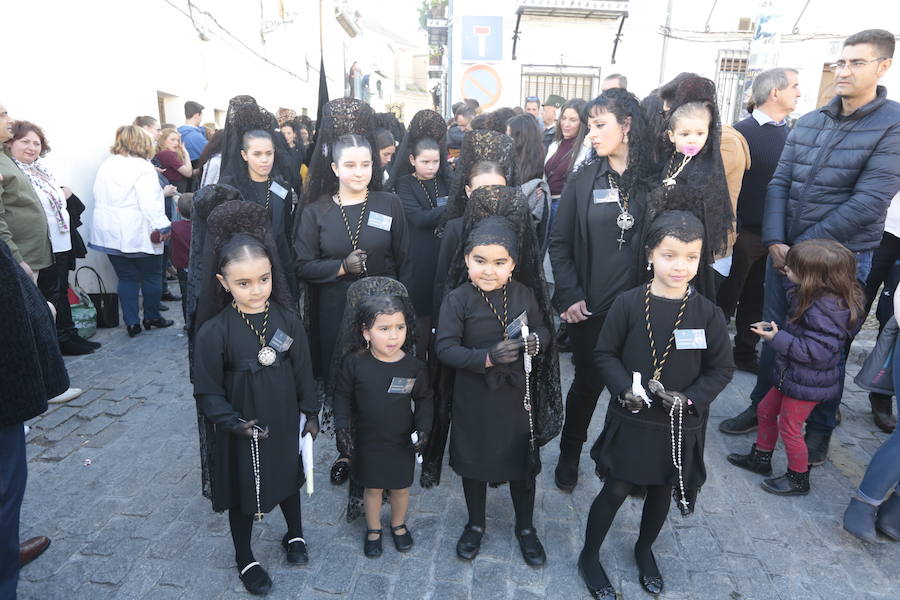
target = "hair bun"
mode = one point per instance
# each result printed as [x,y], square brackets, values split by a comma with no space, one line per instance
[695,89]
[237,216]
[427,124]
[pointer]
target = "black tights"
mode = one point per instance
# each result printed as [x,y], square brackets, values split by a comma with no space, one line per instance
[522,493]
[242,526]
[604,509]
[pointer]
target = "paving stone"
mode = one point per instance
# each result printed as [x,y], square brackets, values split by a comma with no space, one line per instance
[58,416]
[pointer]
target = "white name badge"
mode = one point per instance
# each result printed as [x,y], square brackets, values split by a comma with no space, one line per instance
[380,221]
[603,196]
[278,190]
[441,201]
[514,329]
[690,339]
[281,341]
[402,385]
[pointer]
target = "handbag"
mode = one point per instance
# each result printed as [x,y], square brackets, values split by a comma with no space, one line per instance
[84,315]
[106,303]
[877,372]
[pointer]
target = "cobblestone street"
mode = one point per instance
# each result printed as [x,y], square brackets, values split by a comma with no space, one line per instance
[114,481]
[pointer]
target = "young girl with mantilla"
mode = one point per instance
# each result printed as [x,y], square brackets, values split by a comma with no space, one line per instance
[665,354]
[252,380]
[378,382]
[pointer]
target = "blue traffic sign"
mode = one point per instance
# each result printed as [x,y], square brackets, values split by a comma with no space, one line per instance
[482,39]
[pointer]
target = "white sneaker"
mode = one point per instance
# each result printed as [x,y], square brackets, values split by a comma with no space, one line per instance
[69,394]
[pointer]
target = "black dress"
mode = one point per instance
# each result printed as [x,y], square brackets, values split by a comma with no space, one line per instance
[420,204]
[229,383]
[637,447]
[489,436]
[322,242]
[383,419]
[449,244]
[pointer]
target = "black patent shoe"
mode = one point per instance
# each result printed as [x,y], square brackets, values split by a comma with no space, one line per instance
[402,541]
[255,579]
[601,588]
[651,580]
[791,483]
[133,330]
[295,549]
[531,547]
[469,542]
[372,548]
[340,471]
[158,322]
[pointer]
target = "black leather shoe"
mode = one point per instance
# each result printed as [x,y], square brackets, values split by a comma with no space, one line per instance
[817,445]
[133,330]
[566,473]
[600,588]
[742,423]
[170,297]
[158,322]
[372,548]
[651,580]
[93,345]
[73,347]
[469,542]
[531,547]
[340,471]
[256,580]
[756,462]
[295,549]
[791,483]
[402,541]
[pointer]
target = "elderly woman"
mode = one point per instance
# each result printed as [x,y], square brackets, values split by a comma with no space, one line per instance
[27,147]
[172,157]
[130,225]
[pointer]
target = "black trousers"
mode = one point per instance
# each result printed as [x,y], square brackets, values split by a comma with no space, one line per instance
[741,295]
[586,386]
[53,282]
[883,260]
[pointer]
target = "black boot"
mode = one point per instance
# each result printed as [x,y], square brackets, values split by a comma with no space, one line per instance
[882,410]
[566,473]
[791,483]
[756,462]
[888,521]
[742,423]
[817,445]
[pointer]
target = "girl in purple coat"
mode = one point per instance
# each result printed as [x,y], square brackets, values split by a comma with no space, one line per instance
[826,310]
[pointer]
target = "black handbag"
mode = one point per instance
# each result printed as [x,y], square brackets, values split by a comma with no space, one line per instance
[106,303]
[877,372]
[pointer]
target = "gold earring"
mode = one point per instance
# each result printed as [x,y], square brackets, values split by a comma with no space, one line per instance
[625,138]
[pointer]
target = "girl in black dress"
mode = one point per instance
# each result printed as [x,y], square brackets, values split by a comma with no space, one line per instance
[481,337]
[252,380]
[664,353]
[375,387]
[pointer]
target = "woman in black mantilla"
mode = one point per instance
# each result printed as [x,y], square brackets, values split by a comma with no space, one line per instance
[595,250]
[664,353]
[420,177]
[252,380]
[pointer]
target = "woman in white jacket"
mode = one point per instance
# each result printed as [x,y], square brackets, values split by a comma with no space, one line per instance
[130,225]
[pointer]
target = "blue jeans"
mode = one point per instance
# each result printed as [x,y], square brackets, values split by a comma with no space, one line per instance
[824,416]
[884,470]
[13,476]
[138,275]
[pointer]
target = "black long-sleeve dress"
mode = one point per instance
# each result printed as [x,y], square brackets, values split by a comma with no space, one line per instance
[637,447]
[322,242]
[230,384]
[421,205]
[371,392]
[489,435]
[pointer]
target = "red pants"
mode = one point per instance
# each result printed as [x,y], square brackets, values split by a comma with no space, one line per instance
[778,413]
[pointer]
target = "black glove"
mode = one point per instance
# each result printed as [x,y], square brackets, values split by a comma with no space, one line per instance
[505,352]
[532,344]
[245,428]
[419,446]
[344,441]
[631,401]
[355,262]
[311,427]
[669,398]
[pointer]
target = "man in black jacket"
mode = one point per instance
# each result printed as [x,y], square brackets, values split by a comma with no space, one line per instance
[837,174]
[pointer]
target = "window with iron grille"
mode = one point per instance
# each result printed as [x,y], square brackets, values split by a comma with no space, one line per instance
[568,82]
[731,72]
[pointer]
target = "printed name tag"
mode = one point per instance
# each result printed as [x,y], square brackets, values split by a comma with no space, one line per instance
[440,201]
[607,195]
[401,385]
[514,329]
[278,190]
[281,341]
[690,339]
[380,221]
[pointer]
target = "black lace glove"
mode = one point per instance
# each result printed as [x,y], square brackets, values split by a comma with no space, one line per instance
[669,398]
[419,446]
[311,427]
[344,441]
[505,352]
[355,262]
[631,401]
[245,429]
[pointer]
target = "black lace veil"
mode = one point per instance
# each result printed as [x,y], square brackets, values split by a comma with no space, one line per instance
[425,124]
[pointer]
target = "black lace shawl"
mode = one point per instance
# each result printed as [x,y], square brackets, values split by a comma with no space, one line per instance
[223,221]
[478,145]
[508,202]
[425,124]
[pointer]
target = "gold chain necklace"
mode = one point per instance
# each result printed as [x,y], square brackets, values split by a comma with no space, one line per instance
[504,322]
[673,172]
[659,362]
[431,200]
[354,238]
[267,354]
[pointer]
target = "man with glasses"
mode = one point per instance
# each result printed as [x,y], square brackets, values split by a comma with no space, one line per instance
[838,171]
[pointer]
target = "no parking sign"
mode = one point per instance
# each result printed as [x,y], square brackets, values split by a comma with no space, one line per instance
[482,83]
